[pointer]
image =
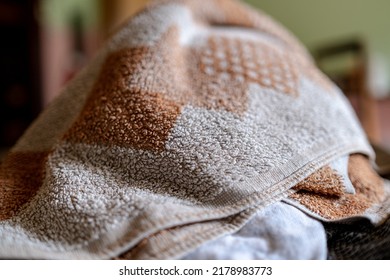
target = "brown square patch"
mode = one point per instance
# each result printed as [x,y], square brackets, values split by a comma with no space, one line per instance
[141,91]
[368,186]
[21,175]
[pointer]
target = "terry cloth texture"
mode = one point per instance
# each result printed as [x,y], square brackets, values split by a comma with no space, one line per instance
[191,119]
[279,232]
[344,190]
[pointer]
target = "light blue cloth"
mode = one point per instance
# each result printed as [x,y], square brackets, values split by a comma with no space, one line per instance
[280,231]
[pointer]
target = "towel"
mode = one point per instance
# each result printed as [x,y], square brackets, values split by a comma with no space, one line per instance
[344,191]
[278,232]
[191,119]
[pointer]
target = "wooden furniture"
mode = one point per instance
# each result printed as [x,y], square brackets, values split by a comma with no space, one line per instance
[353,80]
[352,77]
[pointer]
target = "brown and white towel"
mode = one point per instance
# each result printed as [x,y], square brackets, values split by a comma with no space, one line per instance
[191,119]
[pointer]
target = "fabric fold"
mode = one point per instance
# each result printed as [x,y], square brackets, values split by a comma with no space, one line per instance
[189,116]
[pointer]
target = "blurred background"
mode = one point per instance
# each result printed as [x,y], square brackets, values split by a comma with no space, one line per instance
[46,42]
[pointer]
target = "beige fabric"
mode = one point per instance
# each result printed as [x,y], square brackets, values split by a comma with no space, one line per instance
[190,116]
[326,194]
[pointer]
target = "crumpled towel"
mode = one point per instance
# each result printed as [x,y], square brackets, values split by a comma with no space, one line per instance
[278,232]
[191,119]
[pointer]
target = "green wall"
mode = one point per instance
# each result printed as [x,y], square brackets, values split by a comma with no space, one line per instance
[318,21]
[58,13]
